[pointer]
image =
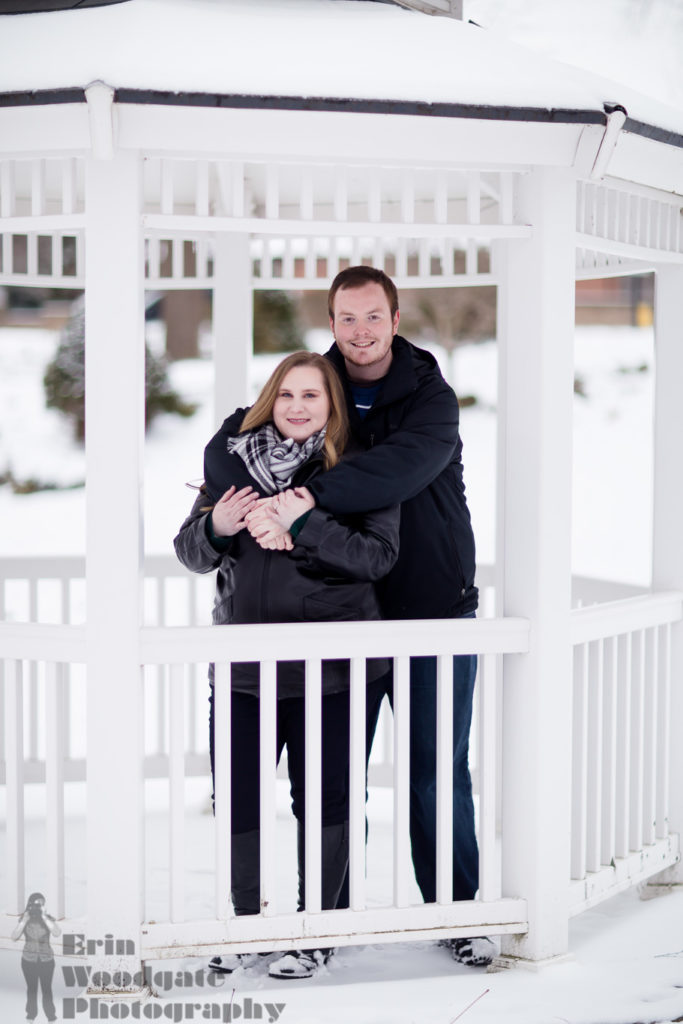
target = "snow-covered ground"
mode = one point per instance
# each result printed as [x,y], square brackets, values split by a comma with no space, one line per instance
[627,955]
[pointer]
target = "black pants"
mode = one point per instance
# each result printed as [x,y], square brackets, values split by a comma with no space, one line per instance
[35,973]
[290,718]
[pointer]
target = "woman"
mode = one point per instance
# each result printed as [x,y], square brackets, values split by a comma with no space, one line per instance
[296,429]
[37,959]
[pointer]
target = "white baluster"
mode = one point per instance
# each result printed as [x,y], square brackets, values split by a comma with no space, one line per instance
[402,867]
[14,785]
[55,748]
[222,785]
[444,779]
[623,781]
[357,784]
[313,757]
[268,766]
[176,780]
[579,762]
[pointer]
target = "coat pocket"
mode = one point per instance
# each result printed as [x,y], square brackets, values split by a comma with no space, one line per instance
[317,609]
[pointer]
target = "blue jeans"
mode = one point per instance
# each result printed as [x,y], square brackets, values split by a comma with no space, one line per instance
[423,773]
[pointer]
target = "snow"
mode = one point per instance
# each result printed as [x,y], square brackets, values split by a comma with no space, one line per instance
[625,964]
[611,516]
[635,44]
[348,48]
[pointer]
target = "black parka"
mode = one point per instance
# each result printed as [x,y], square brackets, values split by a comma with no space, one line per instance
[326,577]
[414,458]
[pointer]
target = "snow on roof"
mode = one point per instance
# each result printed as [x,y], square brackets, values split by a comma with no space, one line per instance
[302,48]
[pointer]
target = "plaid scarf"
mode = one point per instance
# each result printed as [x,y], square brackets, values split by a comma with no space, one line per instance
[272,459]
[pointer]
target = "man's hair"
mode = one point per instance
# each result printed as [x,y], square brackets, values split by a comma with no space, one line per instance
[357,277]
[337,425]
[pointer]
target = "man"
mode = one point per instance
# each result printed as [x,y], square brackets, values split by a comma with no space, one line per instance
[405,417]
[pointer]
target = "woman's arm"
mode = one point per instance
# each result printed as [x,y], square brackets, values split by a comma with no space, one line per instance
[207,533]
[17,933]
[51,925]
[218,473]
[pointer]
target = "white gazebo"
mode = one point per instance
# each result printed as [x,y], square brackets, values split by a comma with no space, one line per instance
[264,145]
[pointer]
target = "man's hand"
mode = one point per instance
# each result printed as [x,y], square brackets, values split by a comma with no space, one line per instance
[265,532]
[229,514]
[271,519]
[286,507]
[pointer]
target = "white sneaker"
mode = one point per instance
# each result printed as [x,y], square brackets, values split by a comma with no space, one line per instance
[477,951]
[300,963]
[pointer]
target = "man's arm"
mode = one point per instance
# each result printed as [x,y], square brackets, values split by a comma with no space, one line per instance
[217,474]
[403,464]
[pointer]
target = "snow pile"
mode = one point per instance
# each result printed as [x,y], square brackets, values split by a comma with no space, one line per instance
[341,48]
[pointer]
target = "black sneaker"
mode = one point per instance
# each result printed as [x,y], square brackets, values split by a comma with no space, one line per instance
[477,951]
[299,963]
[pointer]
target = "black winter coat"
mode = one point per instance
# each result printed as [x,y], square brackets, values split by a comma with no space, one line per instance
[414,458]
[326,577]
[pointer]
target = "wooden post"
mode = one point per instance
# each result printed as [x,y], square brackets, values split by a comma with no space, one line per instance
[114,318]
[233,315]
[534,507]
[667,554]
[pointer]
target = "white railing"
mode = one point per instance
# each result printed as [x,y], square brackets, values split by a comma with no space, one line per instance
[621,745]
[176,651]
[180,648]
[621,740]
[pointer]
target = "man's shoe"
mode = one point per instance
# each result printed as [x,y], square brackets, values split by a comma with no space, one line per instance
[231,961]
[300,963]
[477,951]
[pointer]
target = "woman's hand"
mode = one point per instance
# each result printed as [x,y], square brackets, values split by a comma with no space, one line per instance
[228,516]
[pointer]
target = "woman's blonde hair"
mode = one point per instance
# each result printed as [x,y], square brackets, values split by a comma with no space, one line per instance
[337,425]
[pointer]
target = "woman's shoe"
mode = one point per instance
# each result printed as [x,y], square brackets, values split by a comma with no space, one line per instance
[231,961]
[300,963]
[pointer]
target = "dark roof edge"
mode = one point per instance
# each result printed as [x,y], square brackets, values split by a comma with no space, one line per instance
[418,108]
[336,104]
[312,103]
[651,131]
[41,97]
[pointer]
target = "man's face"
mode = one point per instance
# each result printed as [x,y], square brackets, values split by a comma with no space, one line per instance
[364,329]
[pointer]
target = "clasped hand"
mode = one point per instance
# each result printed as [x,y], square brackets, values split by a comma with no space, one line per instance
[271,518]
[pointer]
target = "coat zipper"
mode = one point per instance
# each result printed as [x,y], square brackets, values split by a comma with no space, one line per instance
[264,586]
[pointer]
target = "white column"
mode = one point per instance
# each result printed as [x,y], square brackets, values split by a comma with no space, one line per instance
[233,317]
[667,562]
[114,543]
[535,446]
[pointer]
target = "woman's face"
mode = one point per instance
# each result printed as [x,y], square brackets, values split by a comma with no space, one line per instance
[302,407]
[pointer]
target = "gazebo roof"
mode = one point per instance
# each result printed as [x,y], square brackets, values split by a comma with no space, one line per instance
[305,50]
[301,121]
